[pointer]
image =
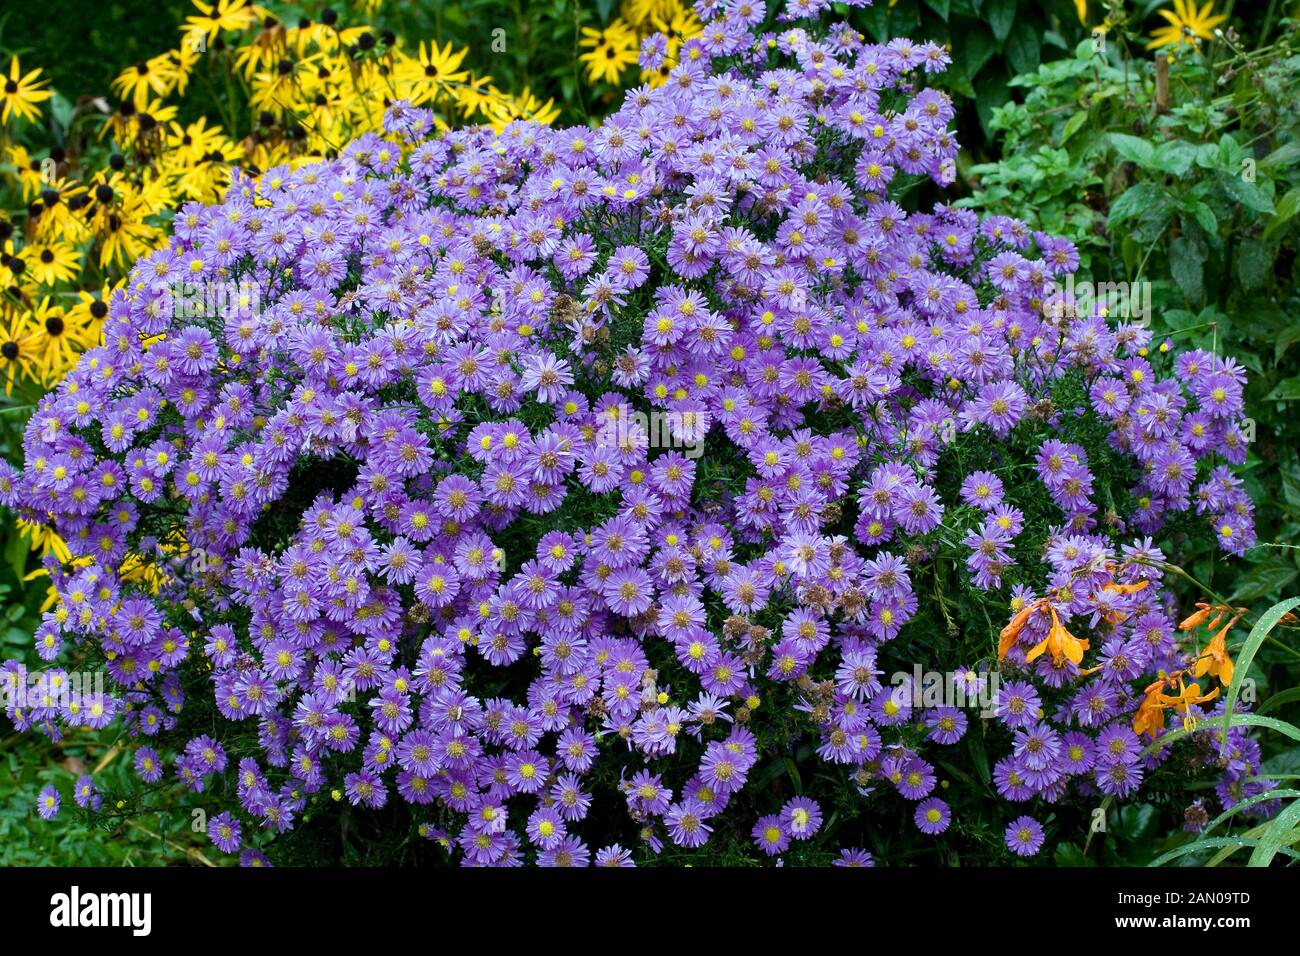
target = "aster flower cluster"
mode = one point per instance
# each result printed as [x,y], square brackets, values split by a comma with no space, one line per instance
[403,525]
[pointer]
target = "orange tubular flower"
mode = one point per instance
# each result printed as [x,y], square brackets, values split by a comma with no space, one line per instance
[1126,588]
[1196,618]
[1060,642]
[1007,639]
[1185,698]
[1150,717]
[1215,660]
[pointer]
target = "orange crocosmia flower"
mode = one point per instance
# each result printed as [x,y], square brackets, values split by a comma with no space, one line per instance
[1185,698]
[1196,618]
[1215,660]
[1007,639]
[1060,642]
[1150,717]
[1126,588]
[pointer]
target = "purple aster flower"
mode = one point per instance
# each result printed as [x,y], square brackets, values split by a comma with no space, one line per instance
[853,857]
[1024,836]
[48,802]
[224,831]
[770,835]
[932,816]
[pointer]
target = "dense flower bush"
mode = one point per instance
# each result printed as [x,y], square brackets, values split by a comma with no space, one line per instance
[393,525]
[100,192]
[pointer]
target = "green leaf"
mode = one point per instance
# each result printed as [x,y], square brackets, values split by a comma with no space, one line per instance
[1073,125]
[990,92]
[1254,263]
[1022,48]
[1267,621]
[940,7]
[792,769]
[1248,194]
[1284,155]
[1237,720]
[1132,202]
[1069,854]
[16,551]
[1277,834]
[62,110]
[1291,485]
[1287,390]
[1204,217]
[1230,154]
[1262,580]
[1187,263]
[1137,820]
[972,48]
[1287,207]
[1000,14]
[1173,157]
[1129,250]
[876,18]
[1246,804]
[1133,149]
[1279,700]
[1210,843]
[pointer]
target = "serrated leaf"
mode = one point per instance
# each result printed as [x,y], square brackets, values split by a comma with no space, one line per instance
[1204,217]
[1230,153]
[1248,194]
[1174,157]
[1207,156]
[1131,203]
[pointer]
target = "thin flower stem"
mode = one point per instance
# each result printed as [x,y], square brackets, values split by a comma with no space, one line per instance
[1218,599]
[191,852]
